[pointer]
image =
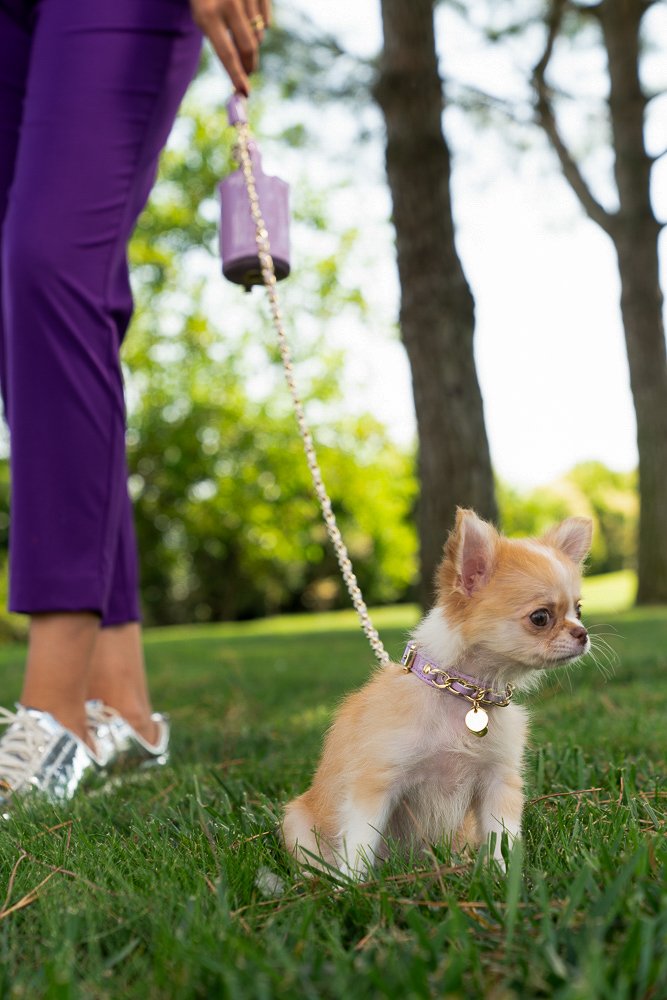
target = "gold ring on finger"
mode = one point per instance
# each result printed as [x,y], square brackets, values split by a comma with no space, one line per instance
[257,22]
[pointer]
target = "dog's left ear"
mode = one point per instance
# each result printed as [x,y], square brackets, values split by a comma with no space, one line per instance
[572,536]
[472,550]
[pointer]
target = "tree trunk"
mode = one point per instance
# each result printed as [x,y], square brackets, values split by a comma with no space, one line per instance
[437,313]
[635,233]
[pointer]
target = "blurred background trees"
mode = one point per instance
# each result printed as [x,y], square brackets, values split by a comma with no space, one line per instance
[226,519]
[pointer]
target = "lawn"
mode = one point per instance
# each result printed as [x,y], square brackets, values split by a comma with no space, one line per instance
[174,884]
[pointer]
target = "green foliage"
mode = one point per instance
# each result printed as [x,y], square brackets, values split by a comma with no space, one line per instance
[226,517]
[590,489]
[174,884]
[614,502]
[227,521]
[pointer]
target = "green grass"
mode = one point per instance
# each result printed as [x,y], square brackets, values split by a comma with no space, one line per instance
[160,887]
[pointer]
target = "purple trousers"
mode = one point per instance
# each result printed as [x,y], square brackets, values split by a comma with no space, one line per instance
[88,93]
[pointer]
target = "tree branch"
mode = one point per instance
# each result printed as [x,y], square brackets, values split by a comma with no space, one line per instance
[547,119]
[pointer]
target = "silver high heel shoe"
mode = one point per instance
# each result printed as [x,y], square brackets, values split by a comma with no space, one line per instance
[38,755]
[119,746]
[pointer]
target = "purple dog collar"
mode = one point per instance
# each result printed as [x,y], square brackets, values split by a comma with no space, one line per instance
[458,684]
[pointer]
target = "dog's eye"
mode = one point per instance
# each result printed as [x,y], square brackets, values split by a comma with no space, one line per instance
[540,618]
[578,610]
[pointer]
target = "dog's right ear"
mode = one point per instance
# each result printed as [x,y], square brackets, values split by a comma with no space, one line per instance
[470,553]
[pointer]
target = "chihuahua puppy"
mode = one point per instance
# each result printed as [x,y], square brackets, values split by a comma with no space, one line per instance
[432,747]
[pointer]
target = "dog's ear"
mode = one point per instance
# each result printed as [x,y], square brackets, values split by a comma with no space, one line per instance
[572,537]
[470,552]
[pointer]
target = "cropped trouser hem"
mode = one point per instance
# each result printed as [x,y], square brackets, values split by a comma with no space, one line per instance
[52,594]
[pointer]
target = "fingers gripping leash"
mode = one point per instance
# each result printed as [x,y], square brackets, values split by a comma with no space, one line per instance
[268,276]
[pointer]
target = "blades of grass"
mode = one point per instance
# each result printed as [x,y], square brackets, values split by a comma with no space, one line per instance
[122,954]
[658,976]
[234,799]
[549,938]
[539,772]
[324,868]
[657,821]
[203,823]
[486,891]
[513,890]
[612,899]
[578,889]
[646,951]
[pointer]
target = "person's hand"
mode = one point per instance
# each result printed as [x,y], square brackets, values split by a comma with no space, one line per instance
[235,29]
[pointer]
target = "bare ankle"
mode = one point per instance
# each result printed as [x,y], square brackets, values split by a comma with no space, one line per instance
[56,676]
[118,677]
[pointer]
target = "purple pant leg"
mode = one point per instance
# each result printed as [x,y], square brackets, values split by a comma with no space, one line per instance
[104,84]
[14,63]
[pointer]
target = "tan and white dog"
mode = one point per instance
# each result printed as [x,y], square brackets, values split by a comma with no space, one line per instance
[434,745]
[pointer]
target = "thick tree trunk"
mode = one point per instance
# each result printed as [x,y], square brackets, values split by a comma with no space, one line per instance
[437,310]
[635,232]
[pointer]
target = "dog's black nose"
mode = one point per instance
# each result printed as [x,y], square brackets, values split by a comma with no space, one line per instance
[580,633]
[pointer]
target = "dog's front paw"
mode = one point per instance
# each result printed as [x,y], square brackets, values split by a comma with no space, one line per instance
[356,871]
[501,847]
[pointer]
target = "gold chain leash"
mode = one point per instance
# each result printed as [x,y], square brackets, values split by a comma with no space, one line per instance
[269,278]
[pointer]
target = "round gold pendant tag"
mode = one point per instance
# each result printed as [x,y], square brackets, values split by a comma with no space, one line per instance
[477,721]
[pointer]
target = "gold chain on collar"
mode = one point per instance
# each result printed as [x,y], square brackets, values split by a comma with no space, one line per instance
[477,695]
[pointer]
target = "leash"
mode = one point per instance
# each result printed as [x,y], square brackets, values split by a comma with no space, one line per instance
[243,136]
